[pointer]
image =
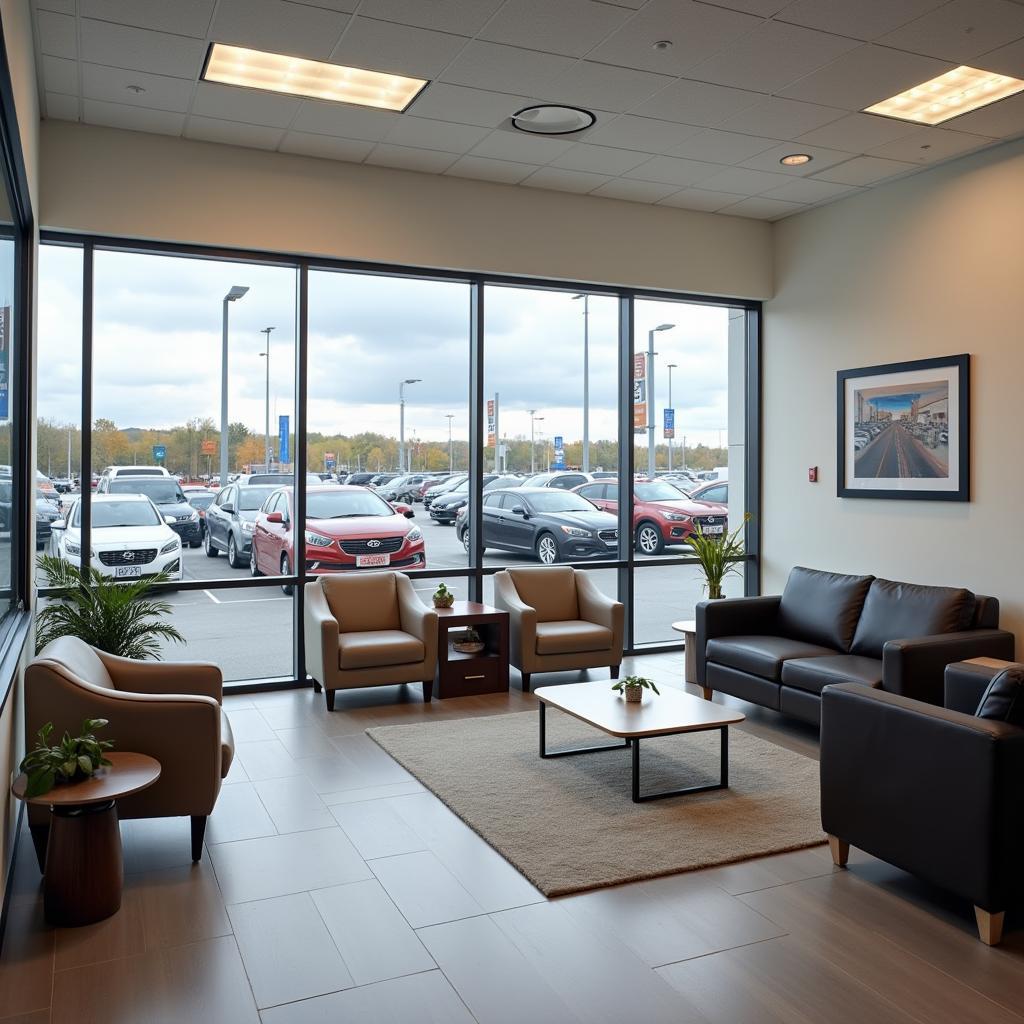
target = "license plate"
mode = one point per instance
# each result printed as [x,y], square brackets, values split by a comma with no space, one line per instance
[127,571]
[368,561]
[710,530]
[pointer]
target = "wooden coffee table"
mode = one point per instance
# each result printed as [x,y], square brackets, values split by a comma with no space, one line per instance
[665,715]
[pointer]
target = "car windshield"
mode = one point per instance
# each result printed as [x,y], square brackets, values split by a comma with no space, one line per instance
[559,501]
[271,478]
[538,480]
[107,514]
[200,500]
[346,505]
[161,491]
[139,471]
[656,490]
[251,498]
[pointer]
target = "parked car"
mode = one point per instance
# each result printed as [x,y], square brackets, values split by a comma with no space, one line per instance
[435,481]
[662,514]
[47,513]
[166,495]
[716,492]
[116,471]
[230,521]
[129,537]
[445,507]
[201,502]
[550,524]
[405,488]
[346,528]
[276,479]
[564,480]
[443,488]
[360,478]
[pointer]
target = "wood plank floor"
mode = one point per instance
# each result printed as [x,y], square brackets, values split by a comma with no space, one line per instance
[335,888]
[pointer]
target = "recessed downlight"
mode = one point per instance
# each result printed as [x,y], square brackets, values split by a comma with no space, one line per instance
[796,159]
[949,95]
[277,72]
[552,119]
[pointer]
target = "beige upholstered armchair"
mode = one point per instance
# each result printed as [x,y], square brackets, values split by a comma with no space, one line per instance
[168,710]
[369,629]
[559,620]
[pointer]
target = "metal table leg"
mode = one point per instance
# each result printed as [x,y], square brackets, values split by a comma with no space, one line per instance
[545,753]
[723,774]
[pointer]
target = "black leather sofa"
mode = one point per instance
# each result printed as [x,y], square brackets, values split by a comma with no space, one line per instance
[827,628]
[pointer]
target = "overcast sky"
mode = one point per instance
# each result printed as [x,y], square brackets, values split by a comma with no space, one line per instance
[157,350]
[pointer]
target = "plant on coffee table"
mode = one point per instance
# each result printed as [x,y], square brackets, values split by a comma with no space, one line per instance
[632,687]
[443,597]
[72,758]
[718,556]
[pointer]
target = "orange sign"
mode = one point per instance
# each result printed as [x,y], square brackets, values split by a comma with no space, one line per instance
[208,448]
[639,393]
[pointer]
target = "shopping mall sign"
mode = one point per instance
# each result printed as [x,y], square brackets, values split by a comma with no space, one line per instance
[639,393]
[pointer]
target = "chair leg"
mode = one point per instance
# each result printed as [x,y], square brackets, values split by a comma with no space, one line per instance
[428,690]
[614,671]
[330,699]
[198,831]
[316,687]
[526,681]
[840,851]
[990,926]
[708,692]
[40,837]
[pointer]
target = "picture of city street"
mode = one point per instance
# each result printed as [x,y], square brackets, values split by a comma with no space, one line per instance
[902,433]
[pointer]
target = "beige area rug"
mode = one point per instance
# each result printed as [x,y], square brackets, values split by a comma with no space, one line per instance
[569,824]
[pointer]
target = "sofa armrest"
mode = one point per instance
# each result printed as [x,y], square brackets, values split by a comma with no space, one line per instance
[320,632]
[733,616]
[964,683]
[522,624]
[601,609]
[164,677]
[417,619]
[933,791]
[915,667]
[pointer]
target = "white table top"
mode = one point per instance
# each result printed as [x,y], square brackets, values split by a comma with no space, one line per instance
[685,626]
[673,711]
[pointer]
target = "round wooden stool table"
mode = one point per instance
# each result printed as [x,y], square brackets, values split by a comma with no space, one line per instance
[84,870]
[688,627]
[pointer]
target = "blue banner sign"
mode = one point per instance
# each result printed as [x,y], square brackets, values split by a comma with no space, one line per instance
[670,423]
[559,443]
[159,452]
[283,454]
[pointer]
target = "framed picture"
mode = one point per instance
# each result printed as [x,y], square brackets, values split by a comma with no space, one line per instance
[903,430]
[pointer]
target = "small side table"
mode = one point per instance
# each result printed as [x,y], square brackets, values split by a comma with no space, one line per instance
[688,627]
[469,675]
[84,870]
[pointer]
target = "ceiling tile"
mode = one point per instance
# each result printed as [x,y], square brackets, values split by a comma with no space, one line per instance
[345,6]
[56,34]
[643,133]
[422,133]
[769,160]
[864,19]
[929,145]
[520,147]
[672,171]
[743,181]
[600,159]
[694,29]
[136,119]
[159,53]
[60,75]
[762,209]
[463,105]
[699,199]
[998,121]
[572,27]
[60,6]
[251,106]
[865,170]
[807,190]
[762,8]
[278,26]
[697,103]
[864,76]
[344,121]
[782,119]
[490,170]
[308,144]
[61,107]
[183,17]
[384,46]
[635,191]
[1007,60]
[722,147]
[465,17]
[589,84]
[410,159]
[633,5]
[961,30]
[771,57]
[565,181]
[856,133]
[504,68]
[116,85]
[212,129]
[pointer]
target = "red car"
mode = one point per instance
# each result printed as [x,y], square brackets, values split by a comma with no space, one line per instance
[662,514]
[346,528]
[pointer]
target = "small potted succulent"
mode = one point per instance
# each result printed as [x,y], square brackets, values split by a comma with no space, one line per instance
[443,597]
[632,687]
[69,761]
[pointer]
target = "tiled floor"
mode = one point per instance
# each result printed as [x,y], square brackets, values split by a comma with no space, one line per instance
[335,888]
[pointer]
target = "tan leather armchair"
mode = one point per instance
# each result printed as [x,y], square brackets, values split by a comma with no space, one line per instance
[369,629]
[559,620]
[169,710]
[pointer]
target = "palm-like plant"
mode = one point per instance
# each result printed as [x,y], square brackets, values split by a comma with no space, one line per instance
[718,556]
[113,616]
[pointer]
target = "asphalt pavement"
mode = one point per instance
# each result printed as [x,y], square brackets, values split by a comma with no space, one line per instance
[896,454]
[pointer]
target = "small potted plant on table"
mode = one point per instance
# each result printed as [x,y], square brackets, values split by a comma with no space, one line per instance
[71,760]
[443,597]
[632,687]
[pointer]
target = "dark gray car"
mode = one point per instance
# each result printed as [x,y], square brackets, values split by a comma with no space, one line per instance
[230,520]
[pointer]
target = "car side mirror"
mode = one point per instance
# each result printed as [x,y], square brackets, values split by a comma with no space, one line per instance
[228,507]
[275,517]
[169,520]
[59,524]
[519,510]
[409,514]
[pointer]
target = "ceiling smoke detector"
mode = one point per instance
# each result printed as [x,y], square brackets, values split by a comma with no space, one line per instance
[662,44]
[552,119]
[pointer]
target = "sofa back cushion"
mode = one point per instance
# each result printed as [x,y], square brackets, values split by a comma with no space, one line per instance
[79,659]
[1003,699]
[822,607]
[986,613]
[897,611]
[363,601]
[550,590]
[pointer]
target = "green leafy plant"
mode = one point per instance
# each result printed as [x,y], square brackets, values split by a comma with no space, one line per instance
[635,683]
[72,758]
[111,615]
[718,556]
[443,597]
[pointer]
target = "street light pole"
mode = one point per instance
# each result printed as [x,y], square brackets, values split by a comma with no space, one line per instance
[451,450]
[236,292]
[401,421]
[586,380]
[671,367]
[266,419]
[650,397]
[533,449]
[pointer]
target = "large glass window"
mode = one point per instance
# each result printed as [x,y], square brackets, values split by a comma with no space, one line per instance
[13,532]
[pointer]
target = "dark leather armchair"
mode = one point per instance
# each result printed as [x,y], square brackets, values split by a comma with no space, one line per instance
[933,790]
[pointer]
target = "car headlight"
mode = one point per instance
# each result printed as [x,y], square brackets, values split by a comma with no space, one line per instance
[72,548]
[171,545]
[317,539]
[248,527]
[575,531]
[414,534]
[675,517]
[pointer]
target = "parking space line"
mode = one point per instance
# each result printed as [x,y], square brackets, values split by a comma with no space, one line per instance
[215,600]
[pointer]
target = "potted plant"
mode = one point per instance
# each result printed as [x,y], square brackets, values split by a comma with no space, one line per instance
[72,758]
[114,616]
[718,556]
[468,641]
[443,597]
[632,687]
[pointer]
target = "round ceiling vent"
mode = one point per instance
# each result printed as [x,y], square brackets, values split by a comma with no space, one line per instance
[552,119]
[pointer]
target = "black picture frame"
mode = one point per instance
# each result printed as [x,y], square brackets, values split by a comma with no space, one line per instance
[894,416]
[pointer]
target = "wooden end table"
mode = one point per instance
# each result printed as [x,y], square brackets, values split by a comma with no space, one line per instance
[84,870]
[688,627]
[469,675]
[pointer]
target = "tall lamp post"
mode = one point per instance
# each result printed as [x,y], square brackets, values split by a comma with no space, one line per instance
[670,367]
[236,292]
[401,421]
[650,396]
[586,380]
[533,449]
[451,451]
[266,418]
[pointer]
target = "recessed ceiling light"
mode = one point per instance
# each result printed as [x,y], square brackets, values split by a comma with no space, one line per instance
[276,72]
[662,44]
[552,119]
[796,159]
[956,92]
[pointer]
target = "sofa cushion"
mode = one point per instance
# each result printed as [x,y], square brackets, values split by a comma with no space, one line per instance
[550,590]
[822,607]
[227,745]
[378,648]
[79,659]
[761,655]
[572,637]
[814,674]
[363,601]
[901,611]
[1003,699]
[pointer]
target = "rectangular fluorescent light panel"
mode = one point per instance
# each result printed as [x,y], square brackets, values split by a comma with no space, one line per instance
[956,92]
[275,72]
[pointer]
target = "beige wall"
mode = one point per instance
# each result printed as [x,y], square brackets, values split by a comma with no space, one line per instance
[149,186]
[931,265]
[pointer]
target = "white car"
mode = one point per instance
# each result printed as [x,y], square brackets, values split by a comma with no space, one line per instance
[130,538]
